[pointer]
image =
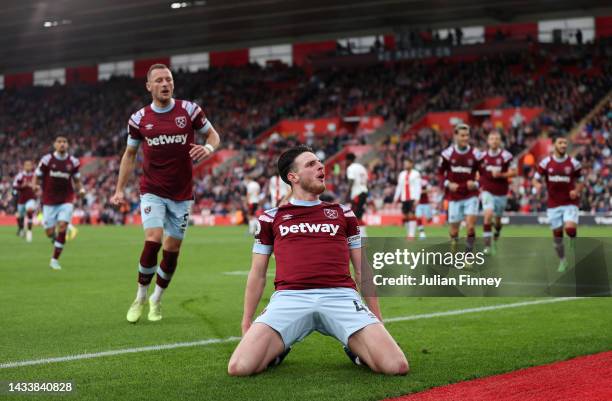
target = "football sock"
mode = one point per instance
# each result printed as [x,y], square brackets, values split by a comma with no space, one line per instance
[571,232]
[30,215]
[60,240]
[471,237]
[487,234]
[558,241]
[148,262]
[166,268]
[411,228]
[157,293]
[498,228]
[141,294]
[20,223]
[421,222]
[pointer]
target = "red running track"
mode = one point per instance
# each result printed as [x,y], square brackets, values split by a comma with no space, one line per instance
[586,378]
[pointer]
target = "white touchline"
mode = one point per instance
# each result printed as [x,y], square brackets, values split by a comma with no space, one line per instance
[234,339]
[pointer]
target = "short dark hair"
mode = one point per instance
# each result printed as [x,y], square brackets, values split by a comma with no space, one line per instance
[286,160]
[157,66]
[461,126]
[557,136]
[351,157]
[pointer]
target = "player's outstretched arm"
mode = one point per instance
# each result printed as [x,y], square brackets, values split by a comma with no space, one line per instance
[128,162]
[363,278]
[256,282]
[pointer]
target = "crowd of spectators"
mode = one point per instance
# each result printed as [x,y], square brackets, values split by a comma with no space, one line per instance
[244,101]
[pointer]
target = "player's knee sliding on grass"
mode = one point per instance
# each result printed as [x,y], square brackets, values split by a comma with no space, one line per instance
[166,128]
[313,242]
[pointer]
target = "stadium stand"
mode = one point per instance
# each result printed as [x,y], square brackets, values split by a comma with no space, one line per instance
[243,102]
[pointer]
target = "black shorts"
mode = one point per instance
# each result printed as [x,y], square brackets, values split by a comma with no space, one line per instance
[408,207]
[358,204]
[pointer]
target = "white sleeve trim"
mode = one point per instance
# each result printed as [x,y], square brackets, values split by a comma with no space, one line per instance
[262,249]
[205,128]
[134,143]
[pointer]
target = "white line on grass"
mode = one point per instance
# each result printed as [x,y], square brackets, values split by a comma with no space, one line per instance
[212,341]
[478,309]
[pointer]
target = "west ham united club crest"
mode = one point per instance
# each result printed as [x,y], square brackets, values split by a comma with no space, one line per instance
[181,122]
[331,213]
[568,170]
[147,209]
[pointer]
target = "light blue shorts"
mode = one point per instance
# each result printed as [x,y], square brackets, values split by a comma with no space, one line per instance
[337,312]
[561,214]
[22,208]
[457,210]
[172,215]
[424,210]
[494,202]
[52,214]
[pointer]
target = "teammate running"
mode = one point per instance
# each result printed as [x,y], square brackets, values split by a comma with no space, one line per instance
[495,171]
[166,129]
[458,168]
[563,177]
[58,171]
[26,200]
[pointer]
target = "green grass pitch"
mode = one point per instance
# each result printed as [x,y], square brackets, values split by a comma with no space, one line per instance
[45,314]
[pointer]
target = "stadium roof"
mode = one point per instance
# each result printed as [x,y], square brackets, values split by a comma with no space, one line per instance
[47,33]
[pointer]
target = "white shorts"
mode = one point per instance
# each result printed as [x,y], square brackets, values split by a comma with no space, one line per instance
[172,216]
[337,312]
[22,208]
[424,210]
[496,203]
[457,210]
[561,214]
[52,214]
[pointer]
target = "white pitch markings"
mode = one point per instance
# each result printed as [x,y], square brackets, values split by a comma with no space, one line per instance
[478,309]
[119,352]
[212,341]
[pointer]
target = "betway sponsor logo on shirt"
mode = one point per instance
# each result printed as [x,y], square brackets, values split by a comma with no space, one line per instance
[59,174]
[332,229]
[461,169]
[559,178]
[493,169]
[167,139]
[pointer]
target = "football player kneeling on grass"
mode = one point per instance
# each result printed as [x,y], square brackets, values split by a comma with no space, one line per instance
[313,242]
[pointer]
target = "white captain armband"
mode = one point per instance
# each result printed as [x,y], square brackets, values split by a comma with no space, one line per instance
[133,142]
[354,242]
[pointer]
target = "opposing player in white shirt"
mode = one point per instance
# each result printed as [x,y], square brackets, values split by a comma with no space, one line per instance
[279,191]
[357,176]
[253,193]
[408,190]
